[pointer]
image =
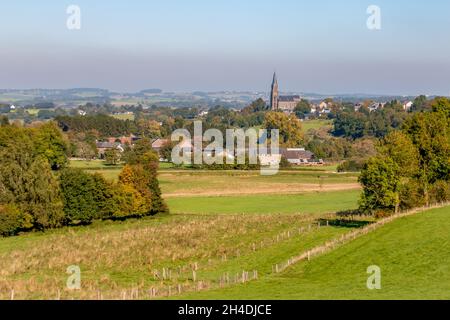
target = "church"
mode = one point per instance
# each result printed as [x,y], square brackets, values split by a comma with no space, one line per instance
[282,103]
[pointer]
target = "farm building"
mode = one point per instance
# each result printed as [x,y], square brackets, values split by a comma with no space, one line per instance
[298,156]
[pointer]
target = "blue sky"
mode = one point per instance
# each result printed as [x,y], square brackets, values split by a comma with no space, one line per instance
[181,45]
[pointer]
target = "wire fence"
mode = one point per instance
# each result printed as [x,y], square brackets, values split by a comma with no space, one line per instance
[184,279]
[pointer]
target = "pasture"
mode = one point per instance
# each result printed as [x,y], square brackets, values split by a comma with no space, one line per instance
[221,222]
[226,235]
[315,203]
[411,253]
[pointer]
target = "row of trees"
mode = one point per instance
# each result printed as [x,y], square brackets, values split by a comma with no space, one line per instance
[363,123]
[38,191]
[412,166]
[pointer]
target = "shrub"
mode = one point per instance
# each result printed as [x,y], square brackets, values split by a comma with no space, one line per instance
[411,195]
[78,189]
[351,166]
[12,220]
[440,191]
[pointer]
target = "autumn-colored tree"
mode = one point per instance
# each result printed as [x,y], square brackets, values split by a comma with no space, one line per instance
[290,128]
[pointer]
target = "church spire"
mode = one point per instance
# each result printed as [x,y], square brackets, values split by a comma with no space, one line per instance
[274,93]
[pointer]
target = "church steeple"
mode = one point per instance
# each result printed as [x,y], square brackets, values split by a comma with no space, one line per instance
[274,93]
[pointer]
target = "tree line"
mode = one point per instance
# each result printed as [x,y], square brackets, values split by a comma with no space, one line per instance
[38,190]
[412,165]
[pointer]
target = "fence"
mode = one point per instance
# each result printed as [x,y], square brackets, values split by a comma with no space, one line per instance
[187,279]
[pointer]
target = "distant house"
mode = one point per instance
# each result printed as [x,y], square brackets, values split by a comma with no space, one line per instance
[298,156]
[358,107]
[130,140]
[376,106]
[407,105]
[102,147]
[159,143]
[324,107]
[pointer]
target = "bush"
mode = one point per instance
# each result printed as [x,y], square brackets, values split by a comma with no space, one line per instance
[351,166]
[440,192]
[12,221]
[411,195]
[78,188]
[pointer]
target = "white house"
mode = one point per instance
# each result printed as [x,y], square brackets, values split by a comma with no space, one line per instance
[407,105]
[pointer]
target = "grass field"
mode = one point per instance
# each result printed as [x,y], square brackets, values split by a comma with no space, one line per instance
[117,256]
[316,203]
[186,183]
[215,183]
[209,238]
[225,226]
[316,124]
[211,235]
[124,116]
[412,253]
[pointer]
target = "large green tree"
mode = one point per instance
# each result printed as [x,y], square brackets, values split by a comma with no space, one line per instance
[380,185]
[51,144]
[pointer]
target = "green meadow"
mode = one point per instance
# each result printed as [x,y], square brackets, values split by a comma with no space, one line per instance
[412,254]
[229,223]
[317,203]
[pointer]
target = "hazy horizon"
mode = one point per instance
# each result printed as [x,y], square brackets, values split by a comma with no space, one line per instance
[184,46]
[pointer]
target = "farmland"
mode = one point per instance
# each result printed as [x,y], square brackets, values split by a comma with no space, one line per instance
[225,228]
[410,252]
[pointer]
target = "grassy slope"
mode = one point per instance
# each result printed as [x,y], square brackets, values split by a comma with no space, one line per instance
[413,254]
[263,204]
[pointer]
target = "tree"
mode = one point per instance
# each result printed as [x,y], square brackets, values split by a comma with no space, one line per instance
[350,125]
[4,121]
[12,220]
[399,147]
[26,179]
[380,185]
[412,166]
[112,156]
[28,183]
[302,108]
[166,150]
[420,104]
[84,150]
[149,128]
[430,133]
[51,144]
[134,155]
[258,105]
[142,169]
[291,133]
[78,193]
